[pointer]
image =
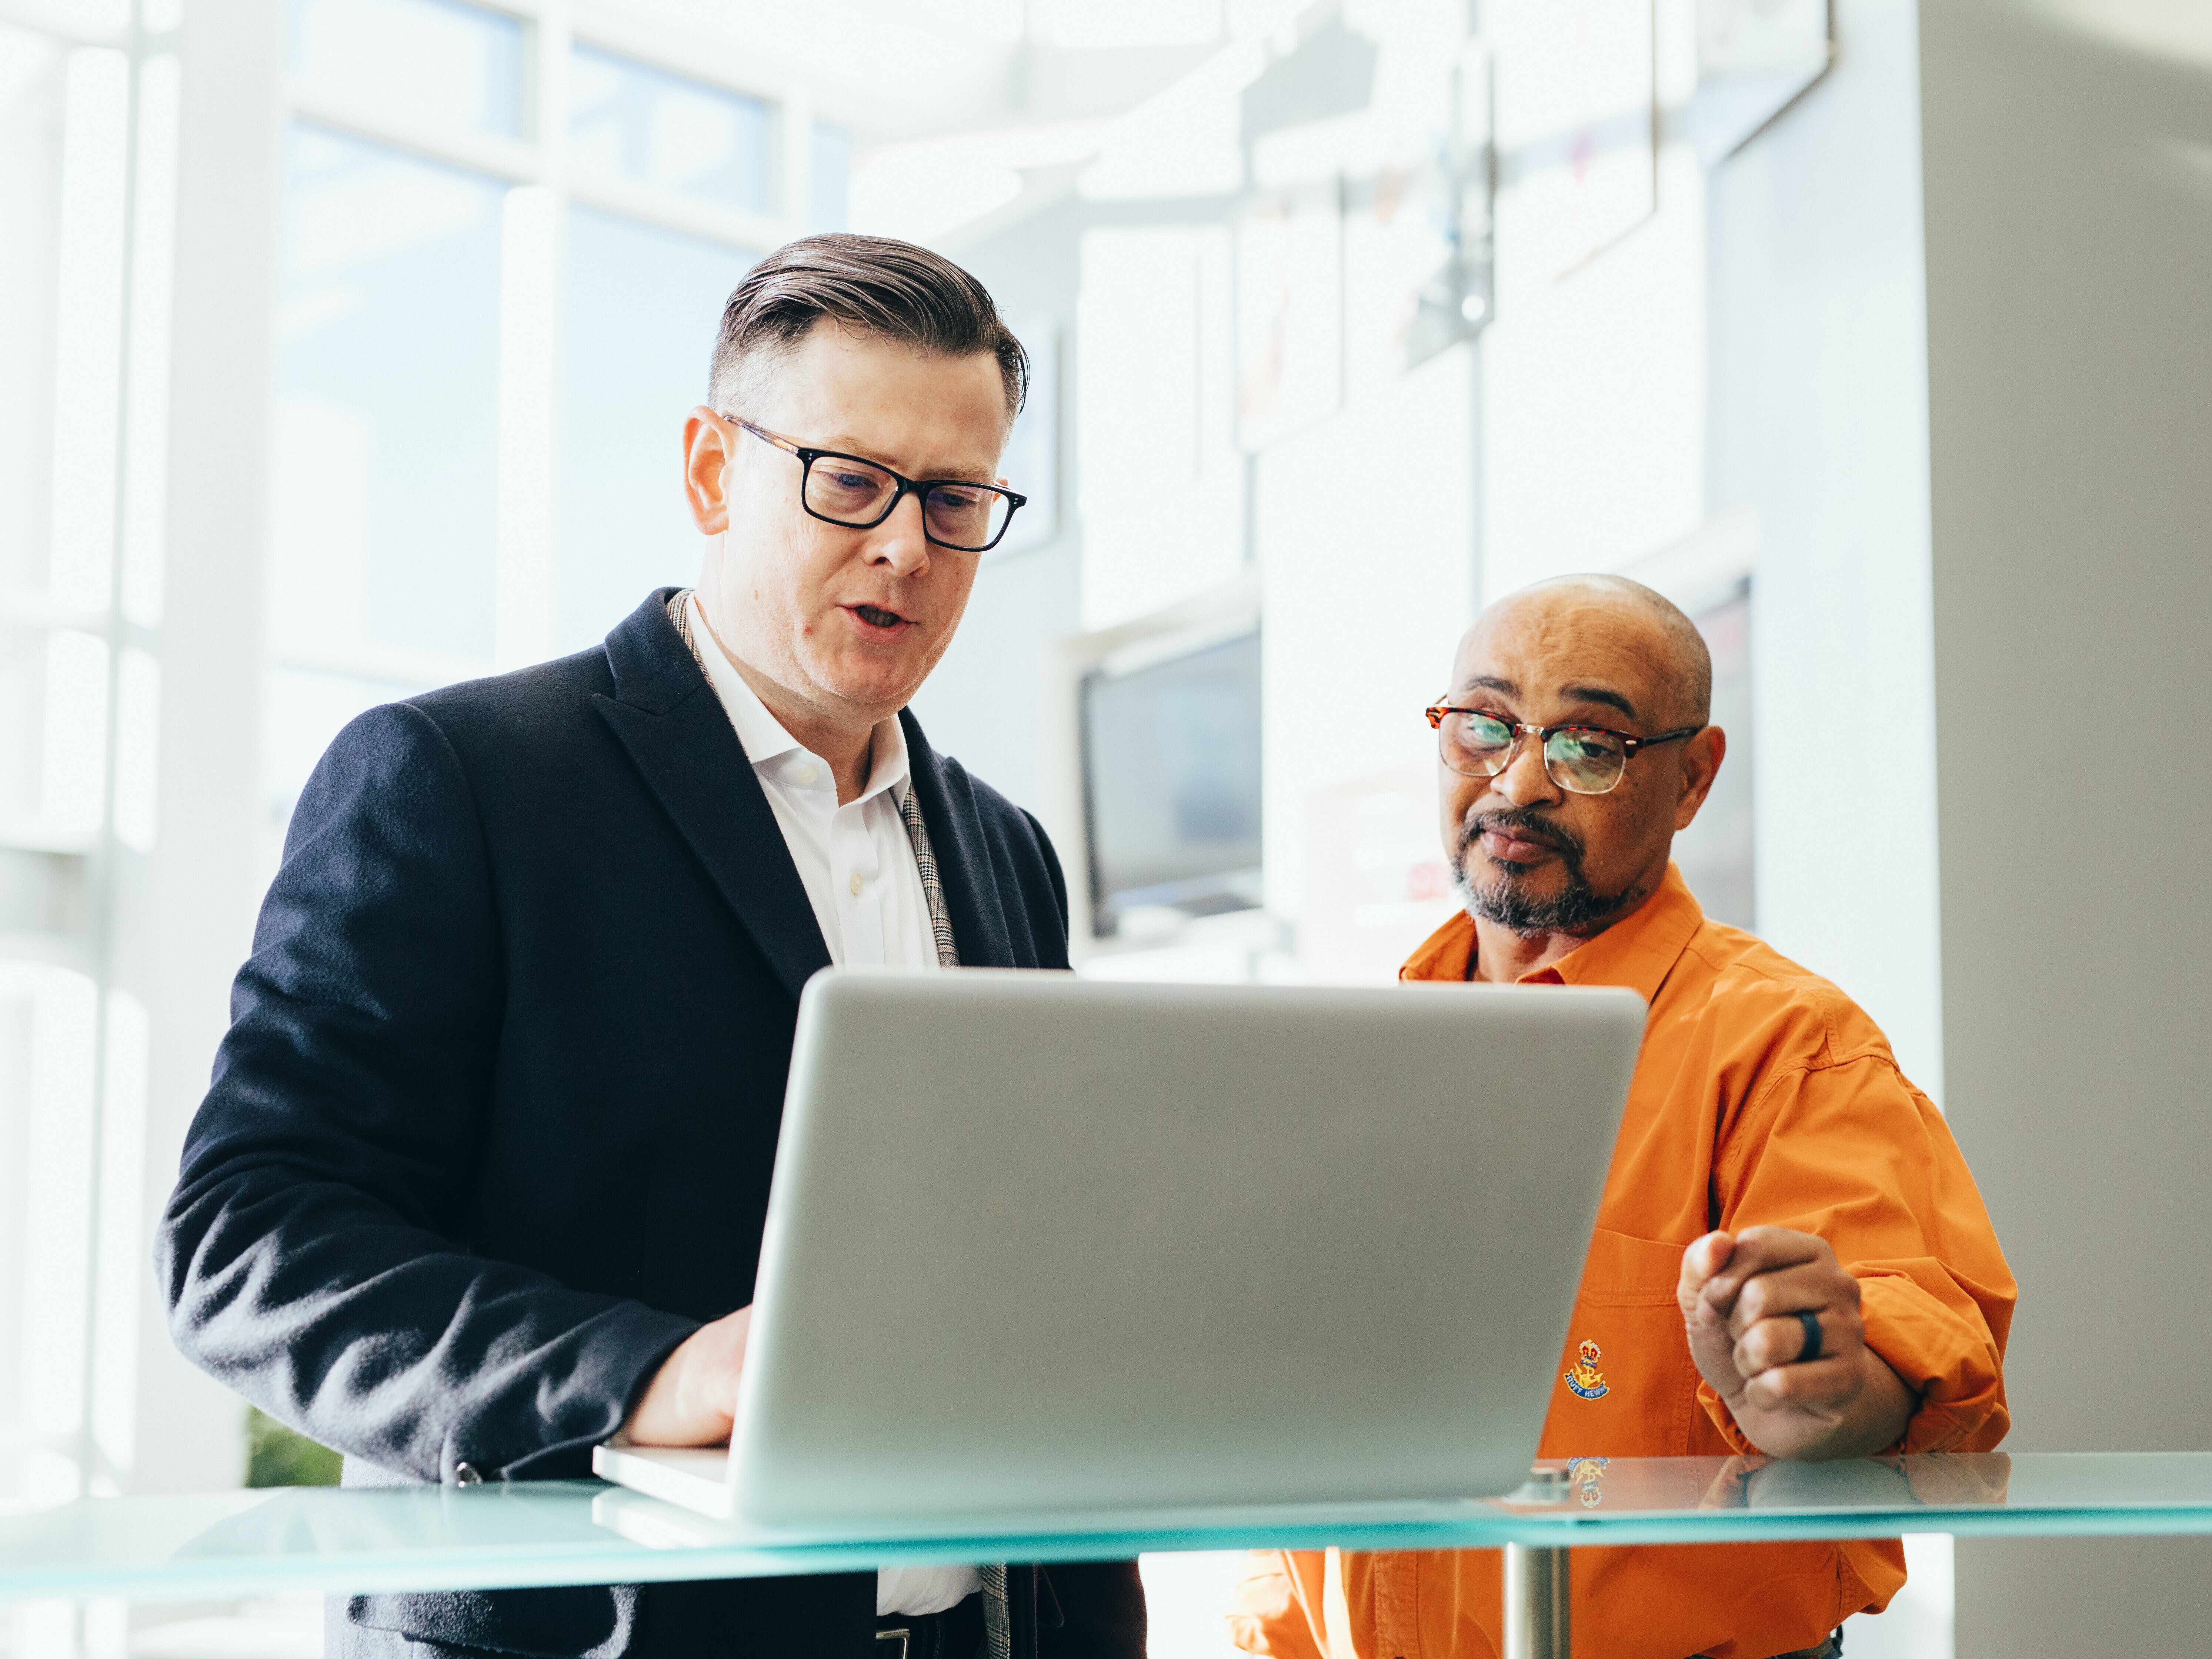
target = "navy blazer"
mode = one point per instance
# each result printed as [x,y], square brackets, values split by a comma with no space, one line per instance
[492,1129]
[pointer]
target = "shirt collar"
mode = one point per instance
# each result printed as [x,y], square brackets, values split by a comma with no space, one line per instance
[1637,951]
[768,745]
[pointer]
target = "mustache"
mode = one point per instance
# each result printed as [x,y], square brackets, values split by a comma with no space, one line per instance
[1526,822]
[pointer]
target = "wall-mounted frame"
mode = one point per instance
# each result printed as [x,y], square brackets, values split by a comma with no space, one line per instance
[1577,128]
[1755,58]
[1290,312]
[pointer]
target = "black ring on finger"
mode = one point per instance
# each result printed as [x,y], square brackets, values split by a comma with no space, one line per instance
[1811,1322]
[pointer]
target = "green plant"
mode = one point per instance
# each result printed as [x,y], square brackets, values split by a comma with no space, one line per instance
[278,1456]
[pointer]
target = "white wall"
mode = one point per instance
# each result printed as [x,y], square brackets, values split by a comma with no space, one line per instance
[2069,185]
[986,703]
[1363,593]
[1818,424]
[1593,429]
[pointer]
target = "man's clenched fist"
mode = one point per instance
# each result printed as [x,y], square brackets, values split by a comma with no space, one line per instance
[1751,1300]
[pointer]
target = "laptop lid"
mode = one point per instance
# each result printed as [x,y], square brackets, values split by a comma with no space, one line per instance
[1036,1243]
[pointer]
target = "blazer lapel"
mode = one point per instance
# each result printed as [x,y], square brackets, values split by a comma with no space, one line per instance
[681,742]
[963,854]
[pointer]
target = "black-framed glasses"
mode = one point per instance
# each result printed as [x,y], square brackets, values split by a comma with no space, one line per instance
[1583,760]
[861,494]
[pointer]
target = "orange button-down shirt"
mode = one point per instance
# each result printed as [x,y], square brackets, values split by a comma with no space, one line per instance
[1762,1095]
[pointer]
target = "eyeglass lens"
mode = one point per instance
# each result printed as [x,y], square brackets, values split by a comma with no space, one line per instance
[1580,760]
[852,492]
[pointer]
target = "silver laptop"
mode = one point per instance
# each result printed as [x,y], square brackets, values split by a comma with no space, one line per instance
[1039,1245]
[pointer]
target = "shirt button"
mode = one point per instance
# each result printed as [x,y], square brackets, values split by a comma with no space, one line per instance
[467,1475]
[855,885]
[806,774]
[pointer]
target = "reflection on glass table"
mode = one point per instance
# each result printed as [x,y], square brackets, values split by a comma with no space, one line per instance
[584,1532]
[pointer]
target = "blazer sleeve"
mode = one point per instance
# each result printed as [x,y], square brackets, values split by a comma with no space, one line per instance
[312,1252]
[1050,855]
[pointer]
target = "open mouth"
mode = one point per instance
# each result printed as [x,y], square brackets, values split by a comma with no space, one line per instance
[877,617]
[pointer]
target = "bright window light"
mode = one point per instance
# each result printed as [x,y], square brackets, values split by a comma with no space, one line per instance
[53,1201]
[146,414]
[522,623]
[829,179]
[435,64]
[137,746]
[88,326]
[387,417]
[118,1265]
[641,310]
[1125,22]
[629,121]
[34,79]
[75,738]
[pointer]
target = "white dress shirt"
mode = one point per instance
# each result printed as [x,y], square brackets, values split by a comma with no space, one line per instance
[857,863]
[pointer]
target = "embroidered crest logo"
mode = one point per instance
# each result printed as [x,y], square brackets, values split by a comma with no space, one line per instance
[1585,1379]
[1586,1473]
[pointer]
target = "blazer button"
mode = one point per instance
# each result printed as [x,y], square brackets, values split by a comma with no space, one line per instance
[467,1475]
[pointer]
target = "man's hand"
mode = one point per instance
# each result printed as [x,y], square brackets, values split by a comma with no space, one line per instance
[1740,1296]
[693,1398]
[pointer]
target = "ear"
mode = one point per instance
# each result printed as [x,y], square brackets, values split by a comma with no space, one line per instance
[1702,756]
[709,443]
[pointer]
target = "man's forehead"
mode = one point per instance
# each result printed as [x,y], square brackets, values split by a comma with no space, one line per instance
[1558,650]
[921,412]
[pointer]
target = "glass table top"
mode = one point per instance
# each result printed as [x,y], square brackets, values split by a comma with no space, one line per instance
[585,1531]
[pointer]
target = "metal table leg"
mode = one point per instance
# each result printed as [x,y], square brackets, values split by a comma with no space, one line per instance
[1538,1603]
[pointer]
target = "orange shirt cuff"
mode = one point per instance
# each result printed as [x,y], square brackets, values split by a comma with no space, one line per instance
[1949,1361]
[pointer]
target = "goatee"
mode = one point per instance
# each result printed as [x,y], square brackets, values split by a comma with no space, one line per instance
[1505,902]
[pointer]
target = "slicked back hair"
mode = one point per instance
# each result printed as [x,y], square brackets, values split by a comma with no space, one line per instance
[893,289]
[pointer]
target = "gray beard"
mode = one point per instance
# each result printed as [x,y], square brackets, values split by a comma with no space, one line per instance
[1506,902]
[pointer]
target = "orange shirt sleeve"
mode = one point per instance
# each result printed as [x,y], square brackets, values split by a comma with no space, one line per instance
[1277,1609]
[1843,1146]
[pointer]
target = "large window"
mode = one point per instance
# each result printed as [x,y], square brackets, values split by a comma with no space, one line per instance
[501,251]
[87,141]
[435,63]
[638,326]
[387,403]
[505,253]
[630,121]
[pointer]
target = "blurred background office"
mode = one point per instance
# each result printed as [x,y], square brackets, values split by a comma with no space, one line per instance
[345,346]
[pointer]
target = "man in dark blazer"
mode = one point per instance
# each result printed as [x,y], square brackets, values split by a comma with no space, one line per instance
[481,1177]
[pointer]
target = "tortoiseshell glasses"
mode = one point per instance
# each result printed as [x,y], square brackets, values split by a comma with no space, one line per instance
[1583,760]
[861,494]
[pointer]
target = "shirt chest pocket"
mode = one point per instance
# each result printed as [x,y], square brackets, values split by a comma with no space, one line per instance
[1624,1385]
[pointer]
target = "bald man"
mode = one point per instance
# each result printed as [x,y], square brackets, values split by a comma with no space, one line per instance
[1790,1257]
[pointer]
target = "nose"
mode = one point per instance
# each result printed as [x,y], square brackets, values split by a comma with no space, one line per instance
[899,541]
[1524,781]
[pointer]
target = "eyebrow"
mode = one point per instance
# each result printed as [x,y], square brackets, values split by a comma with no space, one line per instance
[845,445]
[1573,693]
[1599,694]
